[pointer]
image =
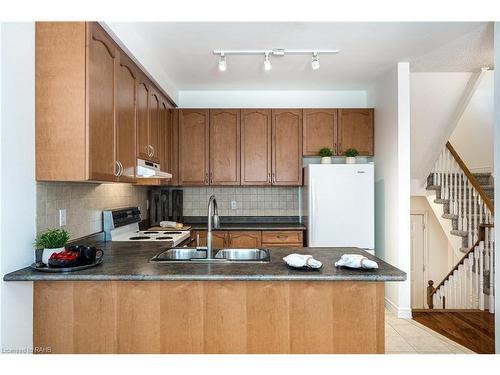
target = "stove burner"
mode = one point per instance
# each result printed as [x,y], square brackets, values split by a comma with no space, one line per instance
[139,238]
[150,232]
[164,238]
[172,232]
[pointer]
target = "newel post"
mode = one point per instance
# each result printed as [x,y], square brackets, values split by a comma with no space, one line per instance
[430,291]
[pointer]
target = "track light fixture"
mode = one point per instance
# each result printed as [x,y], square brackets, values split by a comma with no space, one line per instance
[277,52]
[222,63]
[315,61]
[267,63]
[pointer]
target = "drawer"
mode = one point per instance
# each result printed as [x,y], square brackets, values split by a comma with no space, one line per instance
[282,237]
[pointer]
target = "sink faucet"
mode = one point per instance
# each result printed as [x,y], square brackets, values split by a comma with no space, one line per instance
[213,213]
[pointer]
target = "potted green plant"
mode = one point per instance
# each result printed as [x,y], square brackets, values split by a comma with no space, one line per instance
[51,241]
[326,155]
[351,156]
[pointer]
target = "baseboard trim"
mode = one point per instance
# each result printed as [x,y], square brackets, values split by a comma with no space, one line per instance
[445,310]
[403,313]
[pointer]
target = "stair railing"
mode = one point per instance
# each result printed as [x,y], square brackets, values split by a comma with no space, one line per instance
[463,287]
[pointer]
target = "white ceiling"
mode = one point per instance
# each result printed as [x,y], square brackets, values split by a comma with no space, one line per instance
[184,51]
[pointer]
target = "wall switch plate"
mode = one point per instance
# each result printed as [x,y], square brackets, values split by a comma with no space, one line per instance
[62,217]
[234,206]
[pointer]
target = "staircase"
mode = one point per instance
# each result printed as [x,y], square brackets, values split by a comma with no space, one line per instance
[467,202]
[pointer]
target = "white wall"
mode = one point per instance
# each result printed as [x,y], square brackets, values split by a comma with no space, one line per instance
[497,193]
[473,136]
[390,96]
[434,101]
[272,99]
[17,168]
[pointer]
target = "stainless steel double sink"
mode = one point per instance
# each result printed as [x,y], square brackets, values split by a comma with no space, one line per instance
[188,254]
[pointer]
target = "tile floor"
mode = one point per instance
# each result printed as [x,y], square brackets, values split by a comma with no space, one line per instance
[406,336]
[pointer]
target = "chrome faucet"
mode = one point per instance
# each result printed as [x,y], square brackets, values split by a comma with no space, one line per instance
[213,213]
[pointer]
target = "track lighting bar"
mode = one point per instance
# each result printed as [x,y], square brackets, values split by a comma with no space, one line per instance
[275,52]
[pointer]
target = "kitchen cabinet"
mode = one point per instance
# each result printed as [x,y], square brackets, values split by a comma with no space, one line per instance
[166,118]
[193,147]
[154,126]
[92,106]
[248,239]
[256,147]
[224,147]
[287,147]
[319,130]
[101,97]
[126,118]
[282,239]
[355,130]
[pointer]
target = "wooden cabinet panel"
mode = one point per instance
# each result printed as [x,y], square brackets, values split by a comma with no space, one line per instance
[166,119]
[287,147]
[282,237]
[319,128]
[154,126]
[174,134]
[126,118]
[224,147]
[256,147]
[244,239]
[101,99]
[355,130]
[193,147]
[142,118]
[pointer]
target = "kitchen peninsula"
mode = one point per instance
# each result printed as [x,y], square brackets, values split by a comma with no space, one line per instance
[130,305]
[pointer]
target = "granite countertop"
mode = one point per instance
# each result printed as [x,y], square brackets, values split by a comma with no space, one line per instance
[130,261]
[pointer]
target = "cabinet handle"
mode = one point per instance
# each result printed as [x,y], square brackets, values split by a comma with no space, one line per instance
[340,148]
[120,168]
[282,237]
[211,177]
[269,177]
[150,150]
[274,178]
[206,178]
[117,168]
[335,148]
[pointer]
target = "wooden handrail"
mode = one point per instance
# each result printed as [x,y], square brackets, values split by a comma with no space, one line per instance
[431,292]
[473,180]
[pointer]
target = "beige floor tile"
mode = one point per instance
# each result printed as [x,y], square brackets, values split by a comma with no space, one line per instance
[405,352]
[428,344]
[409,330]
[389,331]
[397,344]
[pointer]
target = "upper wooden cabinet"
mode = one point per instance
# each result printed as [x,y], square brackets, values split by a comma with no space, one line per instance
[194,147]
[320,130]
[339,130]
[224,147]
[287,147]
[355,130]
[92,106]
[126,75]
[256,147]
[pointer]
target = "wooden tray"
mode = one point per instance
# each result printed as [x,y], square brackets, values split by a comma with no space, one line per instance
[65,269]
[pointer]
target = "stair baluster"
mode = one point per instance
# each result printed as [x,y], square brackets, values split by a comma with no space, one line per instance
[491,304]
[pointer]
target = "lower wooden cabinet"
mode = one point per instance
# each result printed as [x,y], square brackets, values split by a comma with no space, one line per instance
[247,239]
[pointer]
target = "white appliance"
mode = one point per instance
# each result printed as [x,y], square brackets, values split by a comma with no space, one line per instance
[149,169]
[338,205]
[122,224]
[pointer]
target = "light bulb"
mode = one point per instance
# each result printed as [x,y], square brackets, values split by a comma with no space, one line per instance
[315,62]
[267,63]
[222,63]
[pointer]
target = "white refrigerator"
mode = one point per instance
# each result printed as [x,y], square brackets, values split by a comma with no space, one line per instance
[338,205]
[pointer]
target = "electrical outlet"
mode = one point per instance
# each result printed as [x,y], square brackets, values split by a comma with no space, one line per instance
[234,206]
[62,217]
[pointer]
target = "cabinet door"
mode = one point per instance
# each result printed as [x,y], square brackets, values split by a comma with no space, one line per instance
[355,130]
[165,138]
[319,128]
[219,238]
[287,147]
[256,147]
[174,145]
[101,94]
[244,240]
[126,118]
[224,147]
[154,125]
[143,149]
[193,146]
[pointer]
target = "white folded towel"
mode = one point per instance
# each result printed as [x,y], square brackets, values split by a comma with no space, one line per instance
[299,260]
[168,224]
[355,261]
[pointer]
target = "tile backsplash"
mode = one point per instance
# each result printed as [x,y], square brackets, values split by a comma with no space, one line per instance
[84,203]
[250,201]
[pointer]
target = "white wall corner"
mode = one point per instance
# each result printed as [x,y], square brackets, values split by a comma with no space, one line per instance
[401,313]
